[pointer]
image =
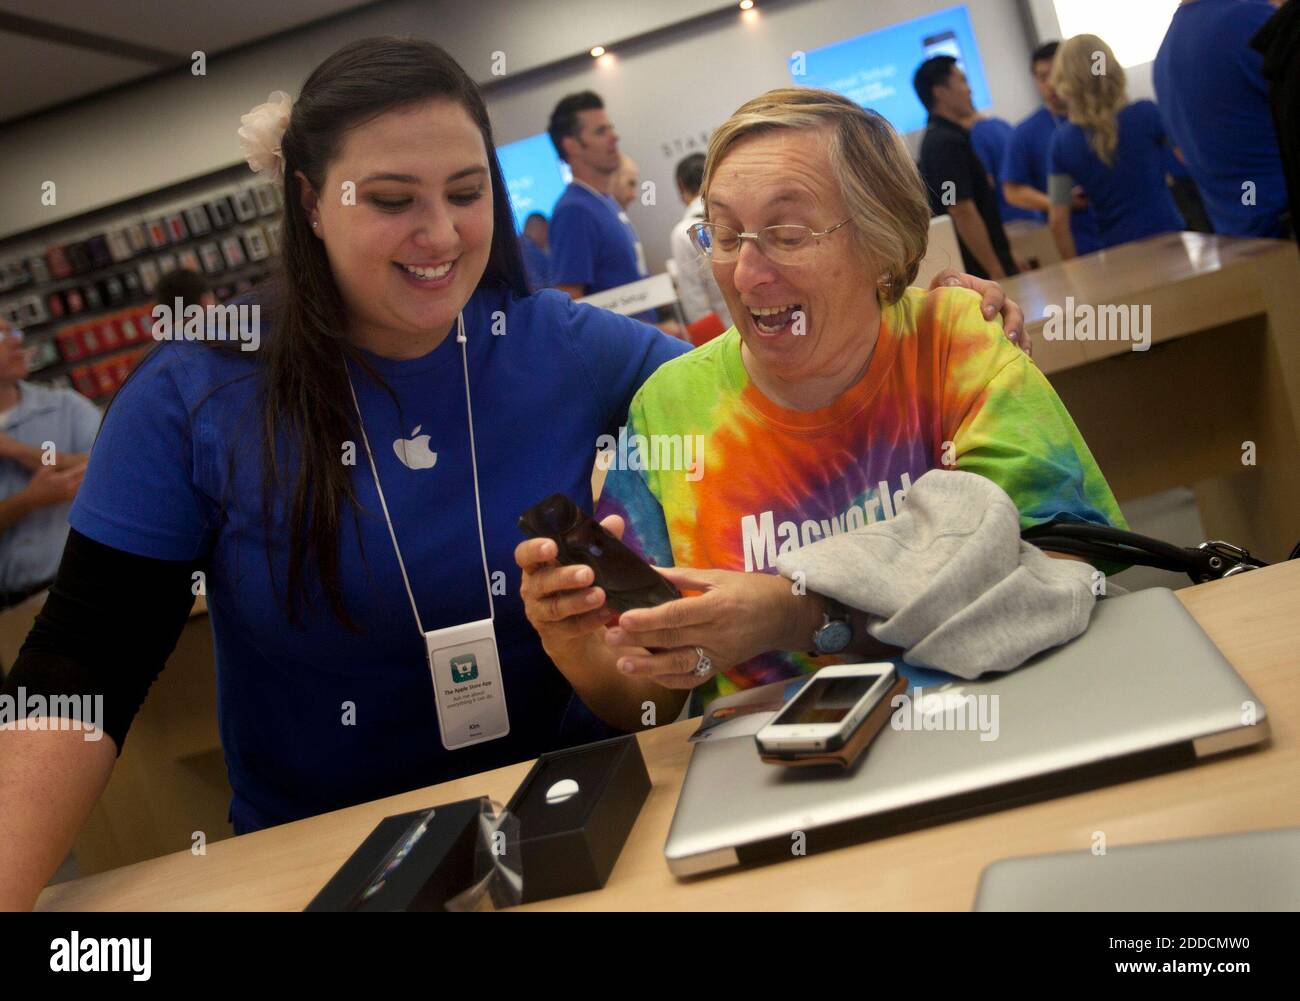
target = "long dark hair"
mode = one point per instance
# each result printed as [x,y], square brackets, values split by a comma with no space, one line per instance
[306,401]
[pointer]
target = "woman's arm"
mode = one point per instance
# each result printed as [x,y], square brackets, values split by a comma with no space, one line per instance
[49,780]
[1060,191]
[1058,220]
[736,616]
[1025,196]
[107,628]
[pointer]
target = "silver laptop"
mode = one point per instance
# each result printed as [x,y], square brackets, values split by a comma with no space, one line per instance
[1256,871]
[1144,690]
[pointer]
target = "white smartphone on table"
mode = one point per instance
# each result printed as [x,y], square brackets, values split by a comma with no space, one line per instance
[826,713]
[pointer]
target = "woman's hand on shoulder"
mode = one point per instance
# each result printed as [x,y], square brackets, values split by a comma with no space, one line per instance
[994,302]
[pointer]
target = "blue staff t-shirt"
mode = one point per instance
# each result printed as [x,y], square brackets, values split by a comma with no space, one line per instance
[1214,99]
[1025,162]
[989,136]
[593,244]
[314,717]
[1130,198]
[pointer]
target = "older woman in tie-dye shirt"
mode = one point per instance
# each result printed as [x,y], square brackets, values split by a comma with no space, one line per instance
[836,389]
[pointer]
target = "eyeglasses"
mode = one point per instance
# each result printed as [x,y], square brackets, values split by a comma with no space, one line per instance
[721,244]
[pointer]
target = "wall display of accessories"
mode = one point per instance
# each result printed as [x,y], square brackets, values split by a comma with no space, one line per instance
[80,341]
[102,379]
[116,259]
[244,210]
[104,339]
[214,258]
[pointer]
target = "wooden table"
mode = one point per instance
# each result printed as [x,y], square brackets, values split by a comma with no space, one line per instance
[1251,617]
[1032,241]
[1218,389]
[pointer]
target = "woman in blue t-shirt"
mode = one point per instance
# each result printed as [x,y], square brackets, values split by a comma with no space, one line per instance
[343,482]
[1114,150]
[327,487]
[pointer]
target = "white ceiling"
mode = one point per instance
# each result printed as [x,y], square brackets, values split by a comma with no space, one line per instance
[123,40]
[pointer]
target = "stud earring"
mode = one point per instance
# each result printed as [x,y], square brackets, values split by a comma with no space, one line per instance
[315,224]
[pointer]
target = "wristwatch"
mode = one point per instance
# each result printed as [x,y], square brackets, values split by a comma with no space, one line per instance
[836,631]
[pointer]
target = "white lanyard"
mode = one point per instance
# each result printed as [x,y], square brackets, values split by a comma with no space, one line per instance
[464,663]
[478,507]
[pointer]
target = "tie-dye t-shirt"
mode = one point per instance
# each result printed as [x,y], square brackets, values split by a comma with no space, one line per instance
[711,473]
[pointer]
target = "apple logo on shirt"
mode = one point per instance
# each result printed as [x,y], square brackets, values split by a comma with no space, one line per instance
[414,452]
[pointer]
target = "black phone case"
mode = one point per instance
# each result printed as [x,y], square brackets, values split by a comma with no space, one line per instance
[627,580]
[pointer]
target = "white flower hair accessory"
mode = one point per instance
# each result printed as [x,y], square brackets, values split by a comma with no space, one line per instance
[260,132]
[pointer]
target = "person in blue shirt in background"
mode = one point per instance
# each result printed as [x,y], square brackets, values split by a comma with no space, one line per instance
[990,136]
[264,469]
[593,244]
[1279,43]
[45,435]
[1115,150]
[1214,99]
[1187,196]
[1023,172]
[533,244]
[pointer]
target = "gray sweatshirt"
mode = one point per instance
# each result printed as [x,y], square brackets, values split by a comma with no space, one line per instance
[950,581]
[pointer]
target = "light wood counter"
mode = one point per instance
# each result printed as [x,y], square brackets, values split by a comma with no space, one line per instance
[1251,617]
[1223,371]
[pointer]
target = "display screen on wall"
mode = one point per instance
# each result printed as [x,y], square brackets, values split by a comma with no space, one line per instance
[535,176]
[875,70]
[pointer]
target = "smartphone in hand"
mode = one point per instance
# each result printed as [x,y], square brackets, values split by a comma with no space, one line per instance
[627,580]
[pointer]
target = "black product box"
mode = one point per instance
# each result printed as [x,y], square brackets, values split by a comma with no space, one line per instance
[411,862]
[575,809]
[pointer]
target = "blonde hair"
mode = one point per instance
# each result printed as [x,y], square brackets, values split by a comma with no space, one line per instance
[1090,80]
[869,161]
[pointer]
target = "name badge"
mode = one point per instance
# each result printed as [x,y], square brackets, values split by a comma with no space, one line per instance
[467,684]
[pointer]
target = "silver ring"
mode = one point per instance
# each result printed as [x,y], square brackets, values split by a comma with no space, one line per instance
[703,666]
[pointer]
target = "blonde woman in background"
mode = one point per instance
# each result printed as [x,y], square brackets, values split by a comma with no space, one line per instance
[1114,150]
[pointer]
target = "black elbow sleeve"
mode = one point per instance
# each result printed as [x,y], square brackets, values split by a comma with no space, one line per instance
[108,626]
